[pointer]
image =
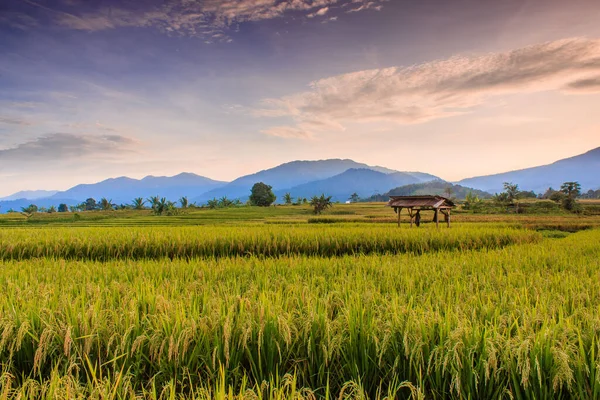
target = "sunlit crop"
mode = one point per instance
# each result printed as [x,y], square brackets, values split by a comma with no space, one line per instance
[283,311]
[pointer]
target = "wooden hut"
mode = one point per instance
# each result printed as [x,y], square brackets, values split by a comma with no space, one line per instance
[414,205]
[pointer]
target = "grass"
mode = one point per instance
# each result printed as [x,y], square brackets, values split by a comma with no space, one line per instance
[275,308]
[264,241]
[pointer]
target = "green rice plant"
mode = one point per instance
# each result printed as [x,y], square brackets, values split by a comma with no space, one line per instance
[493,320]
[104,244]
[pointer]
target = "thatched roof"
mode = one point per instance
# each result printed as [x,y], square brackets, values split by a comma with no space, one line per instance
[420,202]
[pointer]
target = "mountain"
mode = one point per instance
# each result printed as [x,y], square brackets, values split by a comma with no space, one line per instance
[365,182]
[436,188]
[583,168]
[124,189]
[292,174]
[30,195]
[16,205]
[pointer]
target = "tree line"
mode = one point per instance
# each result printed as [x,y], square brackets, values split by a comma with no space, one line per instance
[566,196]
[261,195]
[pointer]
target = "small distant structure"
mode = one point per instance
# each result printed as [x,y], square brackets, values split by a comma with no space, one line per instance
[414,205]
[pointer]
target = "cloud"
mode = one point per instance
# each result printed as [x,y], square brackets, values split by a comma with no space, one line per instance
[366,5]
[287,132]
[61,146]
[13,121]
[319,13]
[209,19]
[588,85]
[438,89]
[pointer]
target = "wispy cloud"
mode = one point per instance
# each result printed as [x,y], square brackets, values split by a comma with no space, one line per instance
[13,121]
[210,19]
[288,132]
[365,5]
[587,85]
[63,146]
[438,89]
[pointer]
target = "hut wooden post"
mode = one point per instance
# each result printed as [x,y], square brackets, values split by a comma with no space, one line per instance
[414,204]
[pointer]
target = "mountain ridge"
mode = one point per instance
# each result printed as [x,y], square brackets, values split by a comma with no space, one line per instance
[581,168]
[304,178]
[288,175]
[362,181]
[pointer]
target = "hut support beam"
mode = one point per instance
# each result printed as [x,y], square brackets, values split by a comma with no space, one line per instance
[437,219]
[446,216]
[399,211]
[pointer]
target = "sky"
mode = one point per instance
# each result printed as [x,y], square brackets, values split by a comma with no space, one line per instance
[92,89]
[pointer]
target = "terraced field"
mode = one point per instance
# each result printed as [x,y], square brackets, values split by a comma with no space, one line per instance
[262,304]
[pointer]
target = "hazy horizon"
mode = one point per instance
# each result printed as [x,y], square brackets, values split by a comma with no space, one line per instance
[94,90]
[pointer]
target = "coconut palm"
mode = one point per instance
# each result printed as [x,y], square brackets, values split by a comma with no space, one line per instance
[183,201]
[320,204]
[106,204]
[138,203]
[214,203]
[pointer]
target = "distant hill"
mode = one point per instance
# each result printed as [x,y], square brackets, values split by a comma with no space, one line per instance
[583,168]
[289,175]
[365,182]
[437,187]
[16,205]
[124,189]
[30,195]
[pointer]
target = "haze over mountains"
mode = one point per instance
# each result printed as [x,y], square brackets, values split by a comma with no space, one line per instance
[124,189]
[338,178]
[584,168]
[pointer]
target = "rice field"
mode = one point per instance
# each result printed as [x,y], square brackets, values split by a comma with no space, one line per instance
[104,244]
[296,310]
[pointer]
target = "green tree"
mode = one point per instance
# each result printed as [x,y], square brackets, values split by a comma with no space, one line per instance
[90,204]
[52,209]
[320,204]
[471,201]
[63,207]
[354,198]
[30,209]
[138,203]
[513,194]
[557,196]
[106,204]
[225,202]
[262,195]
[212,204]
[183,202]
[571,190]
[287,198]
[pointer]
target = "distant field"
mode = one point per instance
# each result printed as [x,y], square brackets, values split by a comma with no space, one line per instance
[275,303]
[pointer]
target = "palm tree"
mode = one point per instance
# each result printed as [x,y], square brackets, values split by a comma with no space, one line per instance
[138,203]
[184,202]
[225,202]
[287,198]
[154,201]
[106,204]
[320,204]
[572,190]
[214,203]
[512,194]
